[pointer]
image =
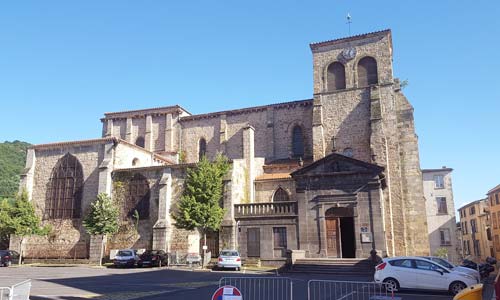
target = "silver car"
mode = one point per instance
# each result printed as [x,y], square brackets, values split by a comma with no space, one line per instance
[443,262]
[229,259]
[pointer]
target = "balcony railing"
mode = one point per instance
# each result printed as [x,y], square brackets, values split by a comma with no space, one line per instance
[267,209]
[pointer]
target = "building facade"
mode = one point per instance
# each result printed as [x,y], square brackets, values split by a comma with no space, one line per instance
[440,210]
[476,234]
[336,175]
[494,202]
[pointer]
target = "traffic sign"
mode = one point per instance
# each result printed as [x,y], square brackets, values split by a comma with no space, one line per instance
[227,292]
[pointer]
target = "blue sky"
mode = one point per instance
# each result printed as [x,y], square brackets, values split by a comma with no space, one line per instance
[64,63]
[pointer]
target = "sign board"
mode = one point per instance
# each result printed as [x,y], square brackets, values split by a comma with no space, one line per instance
[366,237]
[227,292]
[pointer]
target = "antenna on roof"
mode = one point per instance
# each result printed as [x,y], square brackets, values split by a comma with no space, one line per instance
[349,21]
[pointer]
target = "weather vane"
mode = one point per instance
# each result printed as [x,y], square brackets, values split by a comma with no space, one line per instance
[349,21]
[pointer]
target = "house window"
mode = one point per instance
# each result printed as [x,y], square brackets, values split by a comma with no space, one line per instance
[367,72]
[477,248]
[497,243]
[335,76]
[494,220]
[441,205]
[496,198]
[464,213]
[472,210]
[280,195]
[473,228]
[140,141]
[445,236]
[279,237]
[65,189]
[297,142]
[438,181]
[466,231]
[202,148]
[468,247]
[137,198]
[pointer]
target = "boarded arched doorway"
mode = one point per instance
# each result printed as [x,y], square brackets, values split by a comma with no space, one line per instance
[340,238]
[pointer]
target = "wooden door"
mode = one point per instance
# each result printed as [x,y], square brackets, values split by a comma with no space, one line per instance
[253,242]
[332,237]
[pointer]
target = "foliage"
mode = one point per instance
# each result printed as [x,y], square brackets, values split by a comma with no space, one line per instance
[18,217]
[441,252]
[102,217]
[200,205]
[12,161]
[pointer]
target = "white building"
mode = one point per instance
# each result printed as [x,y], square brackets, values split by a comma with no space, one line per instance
[440,210]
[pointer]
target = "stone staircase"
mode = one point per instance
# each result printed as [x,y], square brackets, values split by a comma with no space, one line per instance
[336,266]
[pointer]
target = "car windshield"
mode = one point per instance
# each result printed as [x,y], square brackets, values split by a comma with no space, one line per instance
[151,252]
[443,262]
[124,253]
[229,253]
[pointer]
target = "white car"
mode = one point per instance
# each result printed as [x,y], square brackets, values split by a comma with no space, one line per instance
[126,258]
[420,273]
[229,259]
[447,264]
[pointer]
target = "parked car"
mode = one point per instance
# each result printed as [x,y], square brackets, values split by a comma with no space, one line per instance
[193,258]
[420,273]
[126,258]
[155,258]
[449,265]
[8,257]
[229,259]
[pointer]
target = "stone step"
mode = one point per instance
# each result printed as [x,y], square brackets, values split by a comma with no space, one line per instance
[361,267]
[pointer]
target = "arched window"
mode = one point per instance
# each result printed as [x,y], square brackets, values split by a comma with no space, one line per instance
[297,142]
[367,71]
[64,194]
[135,161]
[348,152]
[202,149]
[137,198]
[335,76]
[280,195]
[140,141]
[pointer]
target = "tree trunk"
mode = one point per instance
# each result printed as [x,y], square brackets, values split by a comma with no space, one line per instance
[21,251]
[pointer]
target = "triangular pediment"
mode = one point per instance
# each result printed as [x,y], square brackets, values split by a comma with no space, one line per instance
[338,164]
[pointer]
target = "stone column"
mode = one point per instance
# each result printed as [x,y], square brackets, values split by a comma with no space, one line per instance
[223,133]
[228,232]
[322,231]
[105,170]
[169,133]
[249,157]
[270,152]
[109,128]
[163,227]
[28,173]
[128,133]
[318,135]
[148,135]
[96,252]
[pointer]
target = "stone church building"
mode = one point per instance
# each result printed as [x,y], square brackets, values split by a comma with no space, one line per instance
[334,176]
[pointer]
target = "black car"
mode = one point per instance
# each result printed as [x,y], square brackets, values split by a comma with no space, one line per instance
[155,258]
[8,257]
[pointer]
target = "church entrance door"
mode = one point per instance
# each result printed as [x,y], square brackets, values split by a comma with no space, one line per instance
[340,235]
[332,237]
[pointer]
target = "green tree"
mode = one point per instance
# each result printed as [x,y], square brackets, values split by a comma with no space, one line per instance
[200,205]
[19,218]
[12,161]
[102,218]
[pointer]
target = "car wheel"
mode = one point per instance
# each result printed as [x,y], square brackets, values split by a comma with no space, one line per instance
[8,264]
[391,285]
[456,287]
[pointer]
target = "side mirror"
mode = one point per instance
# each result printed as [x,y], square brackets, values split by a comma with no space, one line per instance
[439,270]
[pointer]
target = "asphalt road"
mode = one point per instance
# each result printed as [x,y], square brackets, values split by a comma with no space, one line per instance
[73,283]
